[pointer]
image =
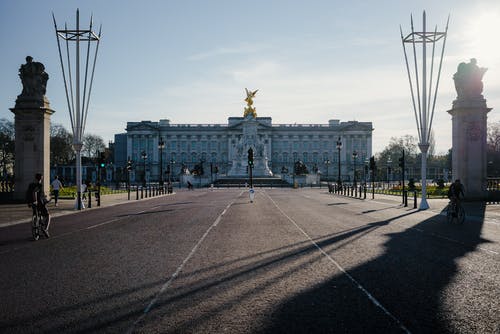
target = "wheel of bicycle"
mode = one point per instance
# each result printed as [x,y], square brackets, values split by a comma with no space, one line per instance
[461,215]
[449,216]
[35,228]
[43,226]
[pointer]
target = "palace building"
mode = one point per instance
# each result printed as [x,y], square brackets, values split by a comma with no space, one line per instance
[157,147]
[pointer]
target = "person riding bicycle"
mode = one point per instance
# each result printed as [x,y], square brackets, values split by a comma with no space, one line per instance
[456,189]
[37,201]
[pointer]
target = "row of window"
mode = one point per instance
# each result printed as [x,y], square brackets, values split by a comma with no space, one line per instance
[278,157]
[184,145]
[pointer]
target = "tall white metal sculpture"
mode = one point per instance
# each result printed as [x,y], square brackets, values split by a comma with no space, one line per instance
[426,91]
[78,105]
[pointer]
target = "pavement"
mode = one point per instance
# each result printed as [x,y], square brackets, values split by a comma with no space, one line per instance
[13,214]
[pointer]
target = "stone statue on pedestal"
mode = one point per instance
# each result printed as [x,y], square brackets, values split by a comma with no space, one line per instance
[469,125]
[34,79]
[249,139]
[468,80]
[32,125]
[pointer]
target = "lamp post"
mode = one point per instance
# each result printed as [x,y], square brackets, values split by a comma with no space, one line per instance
[339,147]
[327,163]
[354,158]
[365,170]
[161,145]
[171,166]
[144,156]
[426,92]
[78,105]
[389,161]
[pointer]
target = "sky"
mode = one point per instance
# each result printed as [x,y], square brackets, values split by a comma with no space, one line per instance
[190,61]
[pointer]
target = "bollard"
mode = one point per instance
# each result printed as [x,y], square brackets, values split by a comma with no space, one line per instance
[142,192]
[98,198]
[364,196]
[136,193]
[405,198]
[415,199]
[90,199]
[128,193]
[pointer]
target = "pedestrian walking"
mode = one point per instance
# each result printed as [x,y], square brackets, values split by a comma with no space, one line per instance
[56,186]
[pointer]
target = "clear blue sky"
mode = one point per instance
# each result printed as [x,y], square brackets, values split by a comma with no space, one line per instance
[190,61]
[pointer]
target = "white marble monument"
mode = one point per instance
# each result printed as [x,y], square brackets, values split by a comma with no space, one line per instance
[469,122]
[249,139]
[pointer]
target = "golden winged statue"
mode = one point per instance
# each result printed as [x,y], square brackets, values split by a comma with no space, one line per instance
[249,109]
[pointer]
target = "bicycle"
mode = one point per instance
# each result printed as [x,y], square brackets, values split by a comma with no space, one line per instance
[455,211]
[40,221]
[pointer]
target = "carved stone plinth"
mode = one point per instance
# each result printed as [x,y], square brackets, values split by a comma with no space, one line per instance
[239,151]
[32,125]
[469,122]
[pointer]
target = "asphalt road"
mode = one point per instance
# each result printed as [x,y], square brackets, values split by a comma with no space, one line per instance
[293,261]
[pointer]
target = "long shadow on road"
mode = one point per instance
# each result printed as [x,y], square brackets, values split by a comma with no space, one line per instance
[410,280]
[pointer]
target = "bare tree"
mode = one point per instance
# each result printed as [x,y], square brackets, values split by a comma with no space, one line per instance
[61,149]
[493,138]
[7,147]
[92,144]
[395,147]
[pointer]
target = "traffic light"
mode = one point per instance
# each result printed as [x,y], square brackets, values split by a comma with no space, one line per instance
[372,163]
[102,160]
[216,169]
[250,157]
[129,165]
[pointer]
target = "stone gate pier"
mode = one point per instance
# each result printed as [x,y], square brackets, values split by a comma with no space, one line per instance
[32,127]
[469,130]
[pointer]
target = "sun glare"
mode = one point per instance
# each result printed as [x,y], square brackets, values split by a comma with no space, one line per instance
[481,37]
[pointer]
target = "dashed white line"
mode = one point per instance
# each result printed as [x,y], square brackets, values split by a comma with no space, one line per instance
[339,267]
[179,269]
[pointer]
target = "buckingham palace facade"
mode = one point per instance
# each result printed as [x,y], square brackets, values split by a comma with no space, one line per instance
[158,147]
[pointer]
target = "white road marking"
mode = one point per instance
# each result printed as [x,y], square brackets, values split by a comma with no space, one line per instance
[181,266]
[452,240]
[339,267]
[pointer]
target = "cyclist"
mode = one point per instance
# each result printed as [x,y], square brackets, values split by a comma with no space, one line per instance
[37,201]
[456,189]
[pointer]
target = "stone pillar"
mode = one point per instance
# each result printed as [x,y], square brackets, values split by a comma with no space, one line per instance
[32,125]
[32,147]
[469,121]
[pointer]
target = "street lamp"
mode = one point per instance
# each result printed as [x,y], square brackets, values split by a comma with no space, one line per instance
[144,156]
[327,163]
[171,166]
[339,147]
[161,145]
[365,171]
[354,157]
[389,161]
